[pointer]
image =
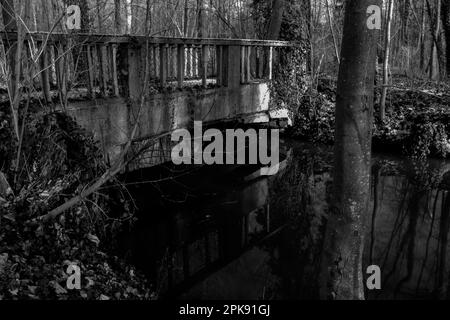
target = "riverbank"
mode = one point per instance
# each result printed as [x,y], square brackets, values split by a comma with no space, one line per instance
[417,118]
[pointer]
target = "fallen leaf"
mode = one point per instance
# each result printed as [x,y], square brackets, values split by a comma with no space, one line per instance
[90,282]
[10,217]
[14,292]
[58,288]
[94,239]
[32,289]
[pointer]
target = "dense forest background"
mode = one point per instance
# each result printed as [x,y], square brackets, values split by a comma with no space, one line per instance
[417,29]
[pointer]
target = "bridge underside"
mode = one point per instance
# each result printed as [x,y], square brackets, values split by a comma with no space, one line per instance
[111,120]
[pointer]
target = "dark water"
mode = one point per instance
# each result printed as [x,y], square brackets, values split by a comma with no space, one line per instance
[228,233]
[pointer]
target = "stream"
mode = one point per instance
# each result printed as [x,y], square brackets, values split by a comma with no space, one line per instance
[226,232]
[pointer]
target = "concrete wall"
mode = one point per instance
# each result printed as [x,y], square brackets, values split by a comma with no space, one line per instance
[112,120]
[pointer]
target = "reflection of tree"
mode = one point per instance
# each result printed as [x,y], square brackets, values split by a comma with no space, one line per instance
[377,197]
[402,240]
[427,245]
[442,272]
[398,221]
[412,236]
[301,192]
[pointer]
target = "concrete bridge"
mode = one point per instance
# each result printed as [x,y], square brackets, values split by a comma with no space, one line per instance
[98,79]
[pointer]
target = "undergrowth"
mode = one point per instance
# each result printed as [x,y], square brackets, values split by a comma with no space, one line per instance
[58,159]
[417,119]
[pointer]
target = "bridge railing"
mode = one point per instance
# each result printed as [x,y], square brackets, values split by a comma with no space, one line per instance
[109,65]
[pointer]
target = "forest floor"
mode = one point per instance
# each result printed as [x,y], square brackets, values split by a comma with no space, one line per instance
[417,117]
[58,160]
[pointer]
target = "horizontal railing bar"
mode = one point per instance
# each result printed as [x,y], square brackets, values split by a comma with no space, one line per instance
[139,40]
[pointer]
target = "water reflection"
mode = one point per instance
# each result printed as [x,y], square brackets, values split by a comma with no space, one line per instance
[195,225]
[228,233]
[409,229]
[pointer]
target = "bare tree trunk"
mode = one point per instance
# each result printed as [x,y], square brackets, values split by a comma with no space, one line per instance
[148,18]
[117,17]
[434,58]
[46,16]
[27,18]
[276,19]
[343,244]
[186,18]
[311,42]
[99,17]
[404,15]
[134,17]
[446,24]
[200,18]
[330,21]
[387,52]
[127,16]
[34,16]
[422,38]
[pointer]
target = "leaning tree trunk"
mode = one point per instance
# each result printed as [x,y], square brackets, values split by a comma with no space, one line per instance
[387,52]
[343,244]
